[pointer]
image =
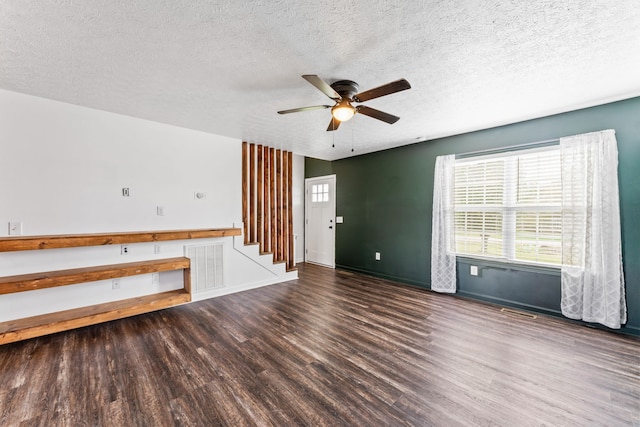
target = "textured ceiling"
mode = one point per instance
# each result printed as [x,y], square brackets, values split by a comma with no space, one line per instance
[226,67]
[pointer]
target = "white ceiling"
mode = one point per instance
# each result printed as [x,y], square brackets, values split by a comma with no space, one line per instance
[226,67]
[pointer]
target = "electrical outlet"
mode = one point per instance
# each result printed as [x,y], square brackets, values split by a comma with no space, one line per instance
[125,192]
[160,210]
[156,249]
[115,284]
[155,278]
[473,270]
[15,228]
[124,250]
[377,256]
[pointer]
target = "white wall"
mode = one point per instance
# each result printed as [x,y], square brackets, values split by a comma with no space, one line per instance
[62,170]
[63,167]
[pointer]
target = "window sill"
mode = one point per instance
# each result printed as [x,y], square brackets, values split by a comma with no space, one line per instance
[510,265]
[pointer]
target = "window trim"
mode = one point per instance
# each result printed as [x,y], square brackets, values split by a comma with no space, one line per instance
[506,264]
[508,246]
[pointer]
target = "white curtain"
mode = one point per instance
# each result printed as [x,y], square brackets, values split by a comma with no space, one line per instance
[443,258]
[592,277]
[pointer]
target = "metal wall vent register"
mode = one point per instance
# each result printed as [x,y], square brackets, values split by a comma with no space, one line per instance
[206,266]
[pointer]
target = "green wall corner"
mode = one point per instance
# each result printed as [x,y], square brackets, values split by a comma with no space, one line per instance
[386,200]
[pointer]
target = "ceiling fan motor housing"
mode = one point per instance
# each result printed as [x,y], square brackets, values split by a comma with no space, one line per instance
[345,88]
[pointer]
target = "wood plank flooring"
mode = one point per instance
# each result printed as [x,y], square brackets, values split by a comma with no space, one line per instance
[332,348]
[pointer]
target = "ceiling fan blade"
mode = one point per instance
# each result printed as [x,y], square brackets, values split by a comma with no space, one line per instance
[377,114]
[322,86]
[388,89]
[335,123]
[297,110]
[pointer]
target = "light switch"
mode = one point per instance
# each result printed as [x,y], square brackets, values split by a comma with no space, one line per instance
[339,220]
[473,270]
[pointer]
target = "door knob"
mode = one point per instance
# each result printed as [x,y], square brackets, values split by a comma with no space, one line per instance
[330,226]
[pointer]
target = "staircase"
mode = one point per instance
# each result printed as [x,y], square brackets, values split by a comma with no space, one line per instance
[267,207]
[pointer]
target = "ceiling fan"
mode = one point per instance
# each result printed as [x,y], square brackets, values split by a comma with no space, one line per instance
[345,93]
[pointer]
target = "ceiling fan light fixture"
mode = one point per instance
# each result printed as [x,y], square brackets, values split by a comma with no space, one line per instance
[343,111]
[344,92]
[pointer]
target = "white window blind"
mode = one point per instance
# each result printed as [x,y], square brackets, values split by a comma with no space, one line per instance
[478,206]
[508,207]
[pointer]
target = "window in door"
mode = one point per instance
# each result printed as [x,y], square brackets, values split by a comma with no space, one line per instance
[319,193]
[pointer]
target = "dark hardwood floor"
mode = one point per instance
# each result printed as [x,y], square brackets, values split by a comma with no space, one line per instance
[332,348]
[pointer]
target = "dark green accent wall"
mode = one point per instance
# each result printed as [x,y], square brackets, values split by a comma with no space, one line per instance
[386,201]
[316,167]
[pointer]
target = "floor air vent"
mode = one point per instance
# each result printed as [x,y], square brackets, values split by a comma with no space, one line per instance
[518,313]
[206,266]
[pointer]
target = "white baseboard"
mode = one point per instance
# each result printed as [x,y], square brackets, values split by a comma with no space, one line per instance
[199,296]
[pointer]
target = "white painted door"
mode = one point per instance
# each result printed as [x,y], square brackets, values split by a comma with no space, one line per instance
[320,227]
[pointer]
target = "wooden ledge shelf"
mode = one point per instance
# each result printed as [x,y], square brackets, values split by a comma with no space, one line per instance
[35,326]
[31,327]
[33,281]
[28,243]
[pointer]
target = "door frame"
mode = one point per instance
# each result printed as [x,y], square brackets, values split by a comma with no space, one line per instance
[307,199]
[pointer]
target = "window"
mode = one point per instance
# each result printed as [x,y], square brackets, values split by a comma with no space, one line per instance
[508,206]
[319,193]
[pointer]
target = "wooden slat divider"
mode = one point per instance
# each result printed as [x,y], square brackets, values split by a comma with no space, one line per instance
[273,227]
[50,279]
[28,243]
[253,238]
[292,256]
[267,202]
[260,200]
[245,191]
[285,207]
[279,252]
[270,202]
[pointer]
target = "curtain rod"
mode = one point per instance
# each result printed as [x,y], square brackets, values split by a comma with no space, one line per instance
[544,143]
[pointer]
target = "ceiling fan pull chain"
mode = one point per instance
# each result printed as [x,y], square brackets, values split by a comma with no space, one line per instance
[352,125]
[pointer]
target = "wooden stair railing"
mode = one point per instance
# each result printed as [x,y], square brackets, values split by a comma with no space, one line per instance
[267,201]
